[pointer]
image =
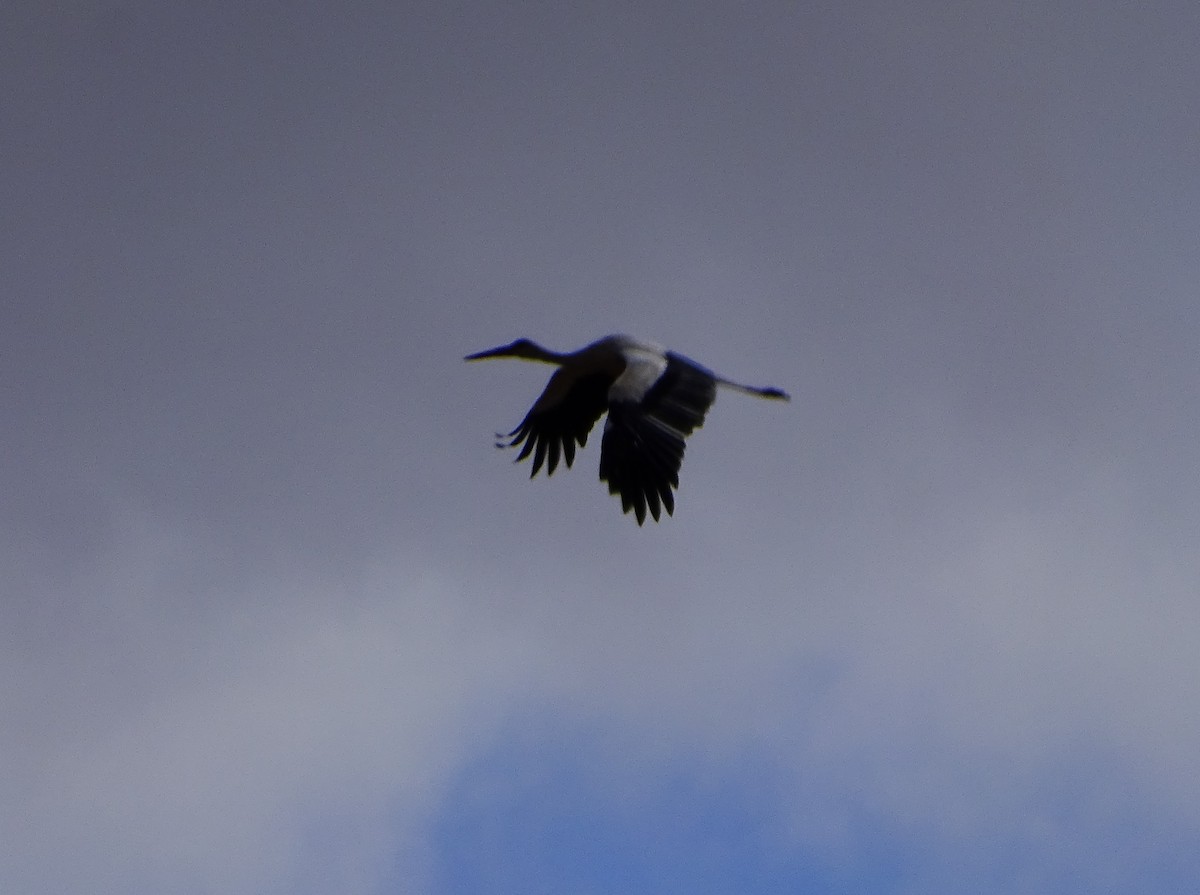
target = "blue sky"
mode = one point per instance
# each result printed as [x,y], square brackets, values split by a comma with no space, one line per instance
[532,821]
[544,811]
[279,618]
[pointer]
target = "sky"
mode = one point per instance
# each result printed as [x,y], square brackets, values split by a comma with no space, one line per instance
[277,617]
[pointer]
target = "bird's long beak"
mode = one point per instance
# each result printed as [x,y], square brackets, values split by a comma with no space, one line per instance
[491,352]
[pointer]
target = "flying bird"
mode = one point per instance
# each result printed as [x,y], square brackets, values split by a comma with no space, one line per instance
[655,398]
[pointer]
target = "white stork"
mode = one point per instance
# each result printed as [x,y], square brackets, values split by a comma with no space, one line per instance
[655,398]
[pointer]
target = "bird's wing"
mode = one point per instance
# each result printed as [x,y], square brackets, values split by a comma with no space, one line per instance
[653,406]
[560,418]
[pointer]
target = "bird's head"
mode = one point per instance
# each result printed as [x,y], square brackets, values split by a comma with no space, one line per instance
[523,348]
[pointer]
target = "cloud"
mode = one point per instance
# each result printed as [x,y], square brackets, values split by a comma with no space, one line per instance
[289,739]
[969,664]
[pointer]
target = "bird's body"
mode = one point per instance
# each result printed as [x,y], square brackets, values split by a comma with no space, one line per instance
[655,398]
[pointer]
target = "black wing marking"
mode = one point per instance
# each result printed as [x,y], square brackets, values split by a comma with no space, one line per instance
[555,430]
[643,443]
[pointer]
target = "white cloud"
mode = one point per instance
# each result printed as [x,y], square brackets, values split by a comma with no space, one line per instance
[304,718]
[182,722]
